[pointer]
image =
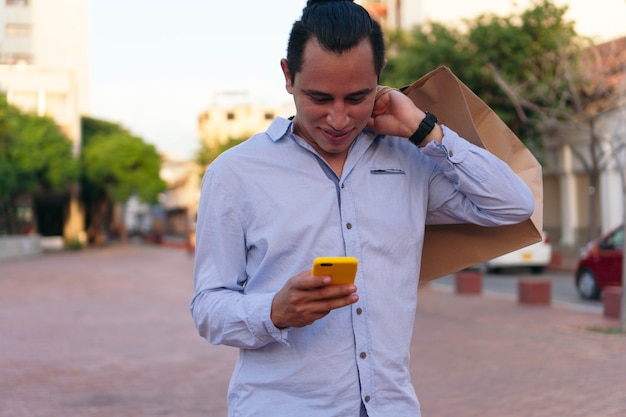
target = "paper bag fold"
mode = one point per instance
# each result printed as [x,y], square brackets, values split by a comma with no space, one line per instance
[450,248]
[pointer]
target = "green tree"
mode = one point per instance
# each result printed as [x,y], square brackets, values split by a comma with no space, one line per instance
[35,157]
[116,166]
[207,154]
[527,49]
[565,92]
[543,79]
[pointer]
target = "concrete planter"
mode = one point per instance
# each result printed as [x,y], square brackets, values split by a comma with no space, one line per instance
[534,292]
[611,301]
[469,282]
[20,246]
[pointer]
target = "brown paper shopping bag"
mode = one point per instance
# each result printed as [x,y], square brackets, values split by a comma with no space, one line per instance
[450,248]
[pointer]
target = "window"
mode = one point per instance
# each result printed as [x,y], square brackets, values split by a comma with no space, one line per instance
[17,30]
[269,116]
[11,59]
[22,216]
[615,240]
[230,115]
[16,2]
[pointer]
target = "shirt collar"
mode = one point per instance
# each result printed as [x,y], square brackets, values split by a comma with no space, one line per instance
[279,128]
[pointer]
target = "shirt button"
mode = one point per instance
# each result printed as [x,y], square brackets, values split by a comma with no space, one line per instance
[343,185]
[359,311]
[450,154]
[363,355]
[367,398]
[349,226]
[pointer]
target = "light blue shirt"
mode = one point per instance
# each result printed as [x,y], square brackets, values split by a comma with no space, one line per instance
[269,206]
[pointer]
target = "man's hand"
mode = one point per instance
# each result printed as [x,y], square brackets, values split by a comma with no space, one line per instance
[395,114]
[306,298]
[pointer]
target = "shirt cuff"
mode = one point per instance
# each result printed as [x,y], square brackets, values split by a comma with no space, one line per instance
[260,322]
[452,147]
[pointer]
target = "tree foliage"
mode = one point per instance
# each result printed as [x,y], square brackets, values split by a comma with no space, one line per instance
[527,49]
[207,154]
[35,157]
[545,81]
[116,166]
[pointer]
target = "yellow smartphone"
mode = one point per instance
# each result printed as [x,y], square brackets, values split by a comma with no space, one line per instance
[341,269]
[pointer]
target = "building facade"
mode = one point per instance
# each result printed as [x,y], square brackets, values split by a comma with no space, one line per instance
[574,157]
[44,69]
[180,202]
[234,116]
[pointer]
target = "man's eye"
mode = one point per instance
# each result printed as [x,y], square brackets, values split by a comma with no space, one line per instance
[355,100]
[349,100]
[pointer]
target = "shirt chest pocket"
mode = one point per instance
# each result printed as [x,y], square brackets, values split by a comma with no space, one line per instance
[387,171]
[387,191]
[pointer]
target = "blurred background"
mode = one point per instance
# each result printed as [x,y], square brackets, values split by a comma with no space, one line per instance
[112,110]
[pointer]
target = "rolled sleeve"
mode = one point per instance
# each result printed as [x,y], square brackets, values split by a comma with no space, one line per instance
[489,192]
[233,319]
[260,322]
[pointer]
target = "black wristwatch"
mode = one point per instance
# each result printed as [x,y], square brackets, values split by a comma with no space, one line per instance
[426,126]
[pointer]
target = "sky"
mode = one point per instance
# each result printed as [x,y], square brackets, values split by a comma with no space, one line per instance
[156,64]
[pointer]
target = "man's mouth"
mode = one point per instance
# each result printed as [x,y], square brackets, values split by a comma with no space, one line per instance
[333,136]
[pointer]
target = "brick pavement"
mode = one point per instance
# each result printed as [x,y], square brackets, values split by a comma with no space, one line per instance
[491,357]
[107,332]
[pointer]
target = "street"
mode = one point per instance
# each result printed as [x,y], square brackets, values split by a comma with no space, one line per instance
[505,284]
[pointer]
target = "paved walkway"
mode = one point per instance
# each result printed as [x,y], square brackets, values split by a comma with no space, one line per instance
[107,332]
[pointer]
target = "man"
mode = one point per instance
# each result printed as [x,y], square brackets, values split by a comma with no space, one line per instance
[339,179]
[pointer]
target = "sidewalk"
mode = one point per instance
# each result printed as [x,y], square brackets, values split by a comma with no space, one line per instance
[107,332]
[491,357]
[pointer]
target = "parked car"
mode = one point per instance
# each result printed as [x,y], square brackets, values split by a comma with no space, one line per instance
[536,257]
[600,264]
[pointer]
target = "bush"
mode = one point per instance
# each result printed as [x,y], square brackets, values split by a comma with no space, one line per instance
[73,244]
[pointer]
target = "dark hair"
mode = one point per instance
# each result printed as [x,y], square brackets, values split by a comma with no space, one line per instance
[338,25]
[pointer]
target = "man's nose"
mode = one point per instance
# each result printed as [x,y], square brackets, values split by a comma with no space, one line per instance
[338,115]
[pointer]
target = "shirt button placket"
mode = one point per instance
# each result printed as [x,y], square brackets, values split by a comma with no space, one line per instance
[352,249]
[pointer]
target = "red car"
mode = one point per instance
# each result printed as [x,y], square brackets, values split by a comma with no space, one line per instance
[600,264]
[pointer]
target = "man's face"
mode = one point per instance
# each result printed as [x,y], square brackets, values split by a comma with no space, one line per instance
[334,96]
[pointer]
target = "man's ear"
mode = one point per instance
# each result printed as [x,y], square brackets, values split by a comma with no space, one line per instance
[287,74]
[383,67]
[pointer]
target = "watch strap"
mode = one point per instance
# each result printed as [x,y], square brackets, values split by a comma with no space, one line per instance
[426,126]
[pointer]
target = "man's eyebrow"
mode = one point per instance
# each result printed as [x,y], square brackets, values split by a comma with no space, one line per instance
[316,93]
[362,92]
